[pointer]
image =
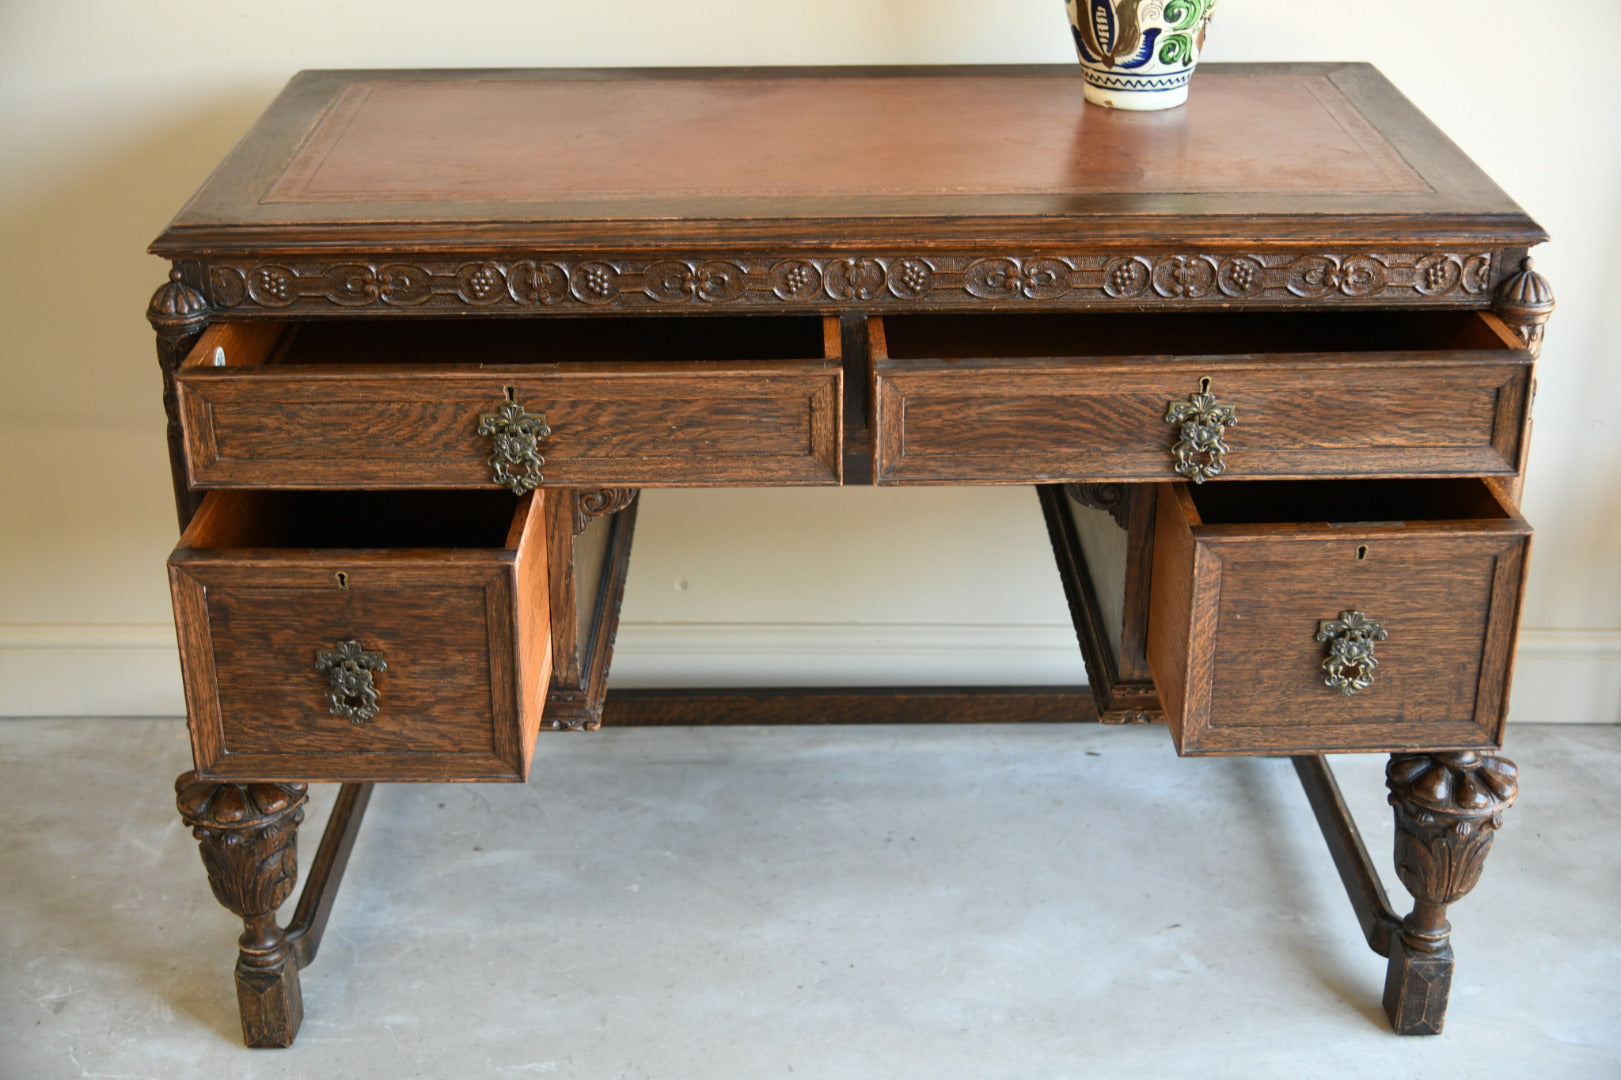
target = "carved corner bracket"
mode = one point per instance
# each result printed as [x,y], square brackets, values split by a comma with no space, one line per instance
[1524,302]
[1110,497]
[595,502]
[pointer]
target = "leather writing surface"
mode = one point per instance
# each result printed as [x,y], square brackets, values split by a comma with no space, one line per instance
[545,140]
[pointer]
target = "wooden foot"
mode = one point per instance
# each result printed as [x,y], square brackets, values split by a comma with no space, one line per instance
[1448,807]
[248,837]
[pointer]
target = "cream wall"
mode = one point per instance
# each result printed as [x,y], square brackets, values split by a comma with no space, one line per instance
[112,112]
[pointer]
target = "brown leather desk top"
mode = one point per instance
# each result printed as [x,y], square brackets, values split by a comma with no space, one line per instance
[492,160]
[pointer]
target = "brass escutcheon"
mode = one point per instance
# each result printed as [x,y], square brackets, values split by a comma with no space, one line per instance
[1201,450]
[349,668]
[1350,661]
[515,435]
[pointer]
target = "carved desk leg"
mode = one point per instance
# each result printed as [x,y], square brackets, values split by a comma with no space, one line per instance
[1448,806]
[248,834]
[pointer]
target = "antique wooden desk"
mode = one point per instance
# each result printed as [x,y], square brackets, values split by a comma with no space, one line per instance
[1268,358]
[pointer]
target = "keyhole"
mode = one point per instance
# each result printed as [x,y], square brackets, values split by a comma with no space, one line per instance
[1361,552]
[343,579]
[510,395]
[1204,385]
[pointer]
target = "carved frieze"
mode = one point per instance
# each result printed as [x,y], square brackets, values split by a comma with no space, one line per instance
[785,282]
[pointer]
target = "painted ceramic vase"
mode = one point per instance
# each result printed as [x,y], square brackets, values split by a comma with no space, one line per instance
[1138,54]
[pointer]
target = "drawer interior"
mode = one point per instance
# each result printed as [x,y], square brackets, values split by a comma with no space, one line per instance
[919,337]
[359,520]
[531,341]
[1345,502]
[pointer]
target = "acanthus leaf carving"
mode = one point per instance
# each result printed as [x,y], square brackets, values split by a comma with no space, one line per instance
[247,835]
[1448,806]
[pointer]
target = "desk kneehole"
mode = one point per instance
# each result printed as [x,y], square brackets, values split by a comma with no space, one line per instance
[1312,617]
[364,636]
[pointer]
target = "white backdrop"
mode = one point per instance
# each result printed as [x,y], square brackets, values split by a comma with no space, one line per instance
[111,113]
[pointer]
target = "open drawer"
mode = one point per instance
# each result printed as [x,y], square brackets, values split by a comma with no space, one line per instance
[1303,618]
[1120,397]
[363,636]
[516,403]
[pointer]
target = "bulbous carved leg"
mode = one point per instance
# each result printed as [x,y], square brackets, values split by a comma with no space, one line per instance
[1448,807]
[248,835]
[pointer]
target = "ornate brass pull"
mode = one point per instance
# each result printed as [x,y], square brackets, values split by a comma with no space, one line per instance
[350,668]
[1350,661]
[1200,451]
[515,435]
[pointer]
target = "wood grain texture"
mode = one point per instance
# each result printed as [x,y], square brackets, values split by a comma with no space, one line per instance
[967,412]
[339,410]
[1171,621]
[252,617]
[1248,677]
[531,617]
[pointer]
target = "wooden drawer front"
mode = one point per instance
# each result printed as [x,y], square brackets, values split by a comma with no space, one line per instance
[1034,419]
[291,424]
[463,631]
[1237,606]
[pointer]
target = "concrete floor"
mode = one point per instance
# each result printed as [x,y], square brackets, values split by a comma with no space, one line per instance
[816,902]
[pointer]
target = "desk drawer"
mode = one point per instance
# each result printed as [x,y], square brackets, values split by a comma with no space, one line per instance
[1254,606]
[582,403]
[400,636]
[1042,398]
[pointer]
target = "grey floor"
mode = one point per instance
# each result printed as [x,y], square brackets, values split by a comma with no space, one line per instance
[981,902]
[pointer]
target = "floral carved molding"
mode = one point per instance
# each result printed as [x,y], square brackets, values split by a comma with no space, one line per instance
[815,281]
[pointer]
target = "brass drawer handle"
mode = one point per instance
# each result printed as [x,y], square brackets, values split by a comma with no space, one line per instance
[1200,450]
[349,667]
[1350,661]
[515,435]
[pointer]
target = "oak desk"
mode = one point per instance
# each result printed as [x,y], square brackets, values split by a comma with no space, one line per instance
[1267,358]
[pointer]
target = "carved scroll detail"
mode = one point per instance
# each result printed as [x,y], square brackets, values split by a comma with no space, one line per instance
[1110,497]
[595,502]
